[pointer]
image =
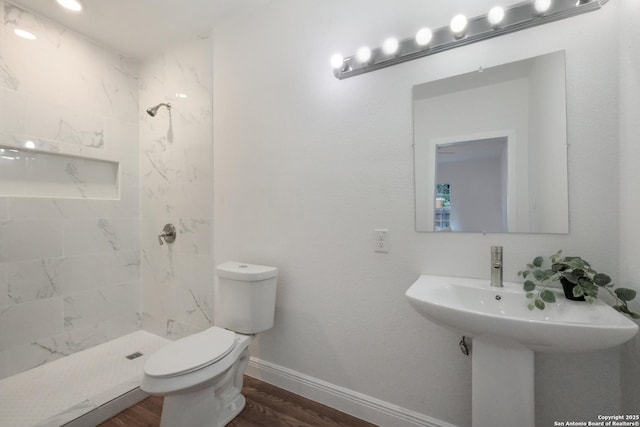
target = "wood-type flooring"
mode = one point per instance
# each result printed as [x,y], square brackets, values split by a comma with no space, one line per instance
[267,406]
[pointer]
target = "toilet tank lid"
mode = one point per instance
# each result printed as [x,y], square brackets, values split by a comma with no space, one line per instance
[246,272]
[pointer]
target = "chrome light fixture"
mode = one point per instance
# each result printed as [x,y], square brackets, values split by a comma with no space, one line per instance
[460,32]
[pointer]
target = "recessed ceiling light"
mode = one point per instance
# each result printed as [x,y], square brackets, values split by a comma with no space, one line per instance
[24,34]
[73,5]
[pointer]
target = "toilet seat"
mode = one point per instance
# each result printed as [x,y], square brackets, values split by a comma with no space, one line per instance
[191,353]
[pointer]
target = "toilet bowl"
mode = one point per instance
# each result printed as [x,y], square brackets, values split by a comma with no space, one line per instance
[201,375]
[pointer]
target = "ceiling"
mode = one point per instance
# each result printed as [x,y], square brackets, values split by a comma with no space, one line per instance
[141,28]
[489,148]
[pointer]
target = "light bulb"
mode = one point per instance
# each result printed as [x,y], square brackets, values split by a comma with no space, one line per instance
[337,61]
[458,24]
[73,5]
[24,34]
[495,16]
[542,6]
[363,54]
[390,46]
[30,144]
[424,36]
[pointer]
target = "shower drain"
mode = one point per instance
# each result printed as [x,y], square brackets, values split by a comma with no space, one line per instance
[134,355]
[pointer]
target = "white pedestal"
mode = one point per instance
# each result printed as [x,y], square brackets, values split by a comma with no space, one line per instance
[502,384]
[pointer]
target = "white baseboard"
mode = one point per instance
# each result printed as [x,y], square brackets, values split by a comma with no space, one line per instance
[351,402]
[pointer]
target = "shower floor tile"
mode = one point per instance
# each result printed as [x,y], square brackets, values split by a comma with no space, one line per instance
[60,391]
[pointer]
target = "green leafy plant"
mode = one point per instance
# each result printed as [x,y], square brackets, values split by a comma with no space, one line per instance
[571,271]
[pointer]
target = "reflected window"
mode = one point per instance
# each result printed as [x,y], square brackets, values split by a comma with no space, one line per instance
[442,217]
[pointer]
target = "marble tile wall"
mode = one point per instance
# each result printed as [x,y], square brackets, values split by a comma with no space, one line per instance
[69,268]
[176,175]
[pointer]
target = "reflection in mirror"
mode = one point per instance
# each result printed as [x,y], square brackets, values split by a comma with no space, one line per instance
[474,175]
[490,150]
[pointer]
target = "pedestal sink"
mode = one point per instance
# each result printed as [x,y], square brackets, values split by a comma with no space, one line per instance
[505,335]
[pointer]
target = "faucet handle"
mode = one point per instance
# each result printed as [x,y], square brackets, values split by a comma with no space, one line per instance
[168,234]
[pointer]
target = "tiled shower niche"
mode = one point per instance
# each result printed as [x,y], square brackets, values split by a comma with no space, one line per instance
[28,173]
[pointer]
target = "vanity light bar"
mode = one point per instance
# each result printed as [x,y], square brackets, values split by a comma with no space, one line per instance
[518,17]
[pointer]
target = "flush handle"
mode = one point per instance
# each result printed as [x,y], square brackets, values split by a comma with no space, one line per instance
[168,234]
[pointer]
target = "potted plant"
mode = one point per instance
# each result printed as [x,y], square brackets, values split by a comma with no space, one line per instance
[579,281]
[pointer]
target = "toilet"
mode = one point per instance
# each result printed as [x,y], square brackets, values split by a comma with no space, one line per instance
[201,375]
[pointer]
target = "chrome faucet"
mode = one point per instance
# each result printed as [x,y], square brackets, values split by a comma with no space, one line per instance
[496,266]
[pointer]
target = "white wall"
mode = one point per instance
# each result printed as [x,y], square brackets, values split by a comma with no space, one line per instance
[305,166]
[476,194]
[629,190]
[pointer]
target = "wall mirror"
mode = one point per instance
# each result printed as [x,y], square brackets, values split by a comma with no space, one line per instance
[490,149]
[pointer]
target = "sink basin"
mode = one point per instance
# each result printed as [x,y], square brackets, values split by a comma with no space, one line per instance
[505,335]
[474,308]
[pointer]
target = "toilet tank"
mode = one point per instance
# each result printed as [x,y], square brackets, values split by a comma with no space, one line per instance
[247,295]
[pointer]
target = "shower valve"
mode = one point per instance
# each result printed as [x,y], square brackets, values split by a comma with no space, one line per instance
[168,234]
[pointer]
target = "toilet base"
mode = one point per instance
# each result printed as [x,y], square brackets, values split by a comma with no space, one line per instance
[176,412]
[212,406]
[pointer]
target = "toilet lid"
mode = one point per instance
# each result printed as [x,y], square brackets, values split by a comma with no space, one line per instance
[191,353]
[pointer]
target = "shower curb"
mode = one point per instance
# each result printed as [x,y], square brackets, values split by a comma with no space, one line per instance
[109,409]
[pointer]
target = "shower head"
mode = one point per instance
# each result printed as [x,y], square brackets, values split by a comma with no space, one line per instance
[152,111]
